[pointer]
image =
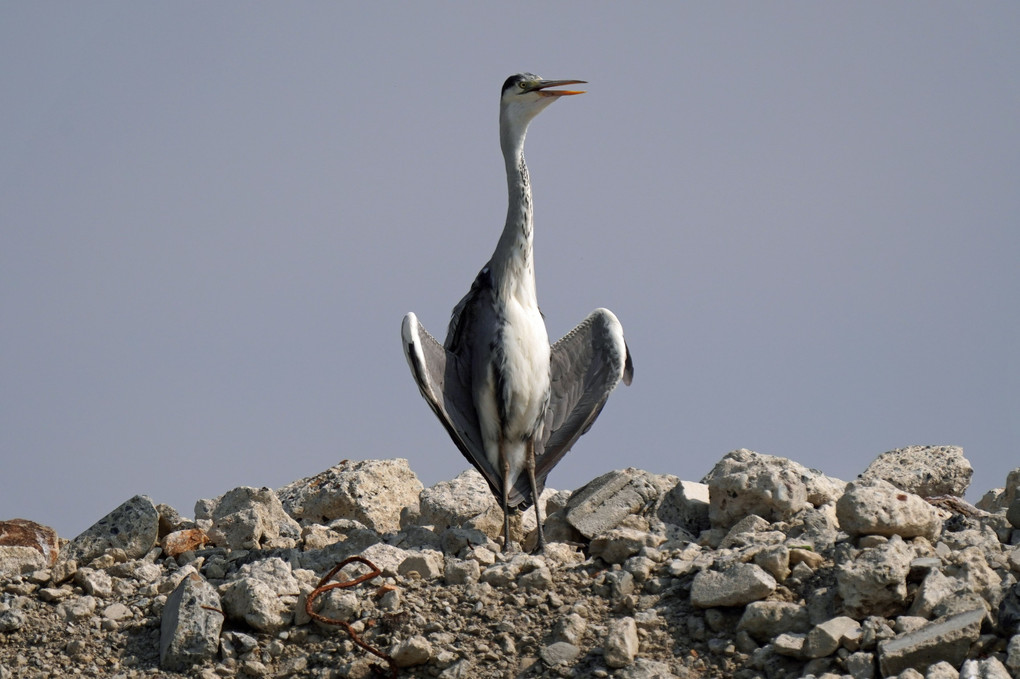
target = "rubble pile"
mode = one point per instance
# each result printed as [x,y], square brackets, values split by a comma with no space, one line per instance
[766,569]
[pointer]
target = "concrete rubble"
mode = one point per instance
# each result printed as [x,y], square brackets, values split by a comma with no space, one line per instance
[764,569]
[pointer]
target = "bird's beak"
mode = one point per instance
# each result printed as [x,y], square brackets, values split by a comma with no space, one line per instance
[542,85]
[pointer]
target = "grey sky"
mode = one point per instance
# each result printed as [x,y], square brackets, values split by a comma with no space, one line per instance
[213,217]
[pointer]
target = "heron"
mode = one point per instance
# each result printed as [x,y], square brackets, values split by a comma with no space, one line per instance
[513,404]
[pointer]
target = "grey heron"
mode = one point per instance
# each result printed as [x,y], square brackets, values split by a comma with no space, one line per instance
[512,404]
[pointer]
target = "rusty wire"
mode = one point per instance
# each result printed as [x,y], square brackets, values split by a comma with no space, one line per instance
[323,587]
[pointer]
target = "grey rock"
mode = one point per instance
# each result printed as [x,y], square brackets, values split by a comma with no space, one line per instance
[874,583]
[538,579]
[76,610]
[1013,513]
[621,643]
[1009,611]
[461,572]
[686,505]
[603,503]
[764,620]
[559,653]
[876,507]
[935,587]
[924,470]
[643,668]
[618,544]
[789,644]
[946,639]
[190,625]
[827,637]
[95,582]
[415,650]
[570,628]
[12,620]
[1013,654]
[252,518]
[372,492]
[736,586]
[133,527]
[745,482]
[861,665]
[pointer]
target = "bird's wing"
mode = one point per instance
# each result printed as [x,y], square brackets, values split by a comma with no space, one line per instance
[444,379]
[587,364]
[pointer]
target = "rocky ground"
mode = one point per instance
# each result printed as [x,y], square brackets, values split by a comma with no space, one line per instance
[765,569]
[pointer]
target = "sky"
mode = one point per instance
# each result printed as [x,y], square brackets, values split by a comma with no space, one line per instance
[214,216]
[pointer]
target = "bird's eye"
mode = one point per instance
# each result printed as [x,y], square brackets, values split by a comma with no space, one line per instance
[522,85]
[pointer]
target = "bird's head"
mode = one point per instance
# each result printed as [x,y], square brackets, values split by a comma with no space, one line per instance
[525,95]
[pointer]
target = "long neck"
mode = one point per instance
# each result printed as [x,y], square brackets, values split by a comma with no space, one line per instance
[513,261]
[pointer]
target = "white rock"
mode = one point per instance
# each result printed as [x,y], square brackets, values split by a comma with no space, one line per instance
[621,643]
[826,637]
[987,668]
[924,470]
[263,594]
[96,583]
[428,563]
[372,492]
[745,482]
[874,583]
[252,518]
[413,651]
[18,559]
[465,500]
[876,507]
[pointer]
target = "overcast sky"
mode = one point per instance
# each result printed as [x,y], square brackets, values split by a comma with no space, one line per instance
[214,216]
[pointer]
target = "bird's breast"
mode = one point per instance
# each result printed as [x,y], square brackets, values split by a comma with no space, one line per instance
[518,373]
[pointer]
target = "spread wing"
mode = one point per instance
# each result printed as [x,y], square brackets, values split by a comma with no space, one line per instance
[444,380]
[587,364]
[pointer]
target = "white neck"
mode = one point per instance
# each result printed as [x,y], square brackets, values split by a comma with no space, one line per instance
[513,261]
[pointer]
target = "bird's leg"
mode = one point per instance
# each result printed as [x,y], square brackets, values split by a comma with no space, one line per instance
[506,496]
[530,462]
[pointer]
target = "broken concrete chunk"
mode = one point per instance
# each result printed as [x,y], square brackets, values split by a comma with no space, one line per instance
[252,518]
[603,503]
[736,586]
[924,470]
[946,639]
[876,507]
[372,492]
[190,625]
[745,482]
[133,527]
[621,643]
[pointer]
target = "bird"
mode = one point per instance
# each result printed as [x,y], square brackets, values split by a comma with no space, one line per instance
[513,404]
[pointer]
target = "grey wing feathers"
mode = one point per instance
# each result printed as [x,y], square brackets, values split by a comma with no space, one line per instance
[444,381]
[587,364]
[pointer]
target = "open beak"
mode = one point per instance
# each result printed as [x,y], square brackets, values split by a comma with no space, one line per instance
[542,85]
